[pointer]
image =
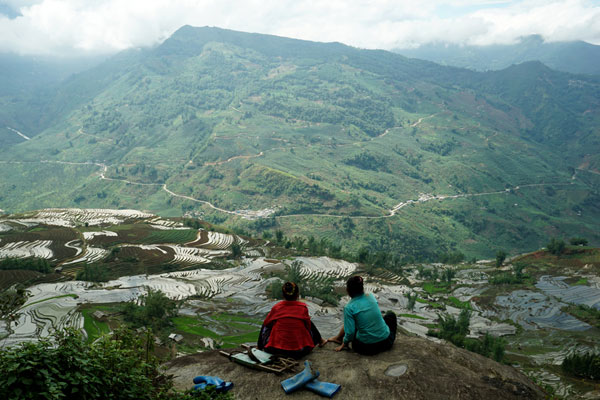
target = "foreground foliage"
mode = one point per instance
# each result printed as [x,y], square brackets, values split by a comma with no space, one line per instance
[120,366]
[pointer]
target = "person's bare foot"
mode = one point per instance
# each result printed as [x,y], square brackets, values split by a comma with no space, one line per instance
[323,342]
[335,339]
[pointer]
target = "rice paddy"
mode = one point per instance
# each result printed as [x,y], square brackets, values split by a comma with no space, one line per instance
[225,306]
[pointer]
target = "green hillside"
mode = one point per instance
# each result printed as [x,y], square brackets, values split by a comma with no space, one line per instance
[332,138]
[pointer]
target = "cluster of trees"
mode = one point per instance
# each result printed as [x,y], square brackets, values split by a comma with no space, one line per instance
[93,273]
[516,277]
[583,365]
[446,275]
[155,310]
[119,366]
[30,264]
[366,160]
[11,300]
[556,246]
[451,257]
[456,330]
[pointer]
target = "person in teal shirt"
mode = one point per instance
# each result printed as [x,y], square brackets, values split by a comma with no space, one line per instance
[364,326]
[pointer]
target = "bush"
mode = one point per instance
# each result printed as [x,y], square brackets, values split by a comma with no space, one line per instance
[583,365]
[155,310]
[30,264]
[455,331]
[500,257]
[555,246]
[92,273]
[67,367]
[578,241]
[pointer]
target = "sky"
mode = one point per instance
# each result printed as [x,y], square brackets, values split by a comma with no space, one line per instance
[85,27]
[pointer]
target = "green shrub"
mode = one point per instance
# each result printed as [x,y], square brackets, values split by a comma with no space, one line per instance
[456,330]
[30,263]
[155,310]
[556,246]
[577,241]
[583,365]
[68,368]
[92,273]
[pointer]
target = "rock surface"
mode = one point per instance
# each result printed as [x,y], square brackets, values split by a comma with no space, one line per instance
[433,371]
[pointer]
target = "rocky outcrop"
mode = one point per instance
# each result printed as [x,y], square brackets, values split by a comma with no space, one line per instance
[414,369]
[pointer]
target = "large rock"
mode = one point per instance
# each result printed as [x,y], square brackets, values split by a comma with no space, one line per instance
[416,369]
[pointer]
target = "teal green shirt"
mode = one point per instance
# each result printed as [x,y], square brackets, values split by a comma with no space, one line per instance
[363,320]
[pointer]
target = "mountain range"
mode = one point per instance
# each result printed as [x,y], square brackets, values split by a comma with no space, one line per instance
[577,57]
[364,148]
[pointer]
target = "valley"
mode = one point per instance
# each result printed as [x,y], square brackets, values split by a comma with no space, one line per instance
[259,132]
[223,299]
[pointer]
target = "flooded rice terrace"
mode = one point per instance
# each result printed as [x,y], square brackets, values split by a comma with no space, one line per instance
[538,332]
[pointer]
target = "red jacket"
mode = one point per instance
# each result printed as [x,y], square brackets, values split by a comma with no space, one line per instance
[290,328]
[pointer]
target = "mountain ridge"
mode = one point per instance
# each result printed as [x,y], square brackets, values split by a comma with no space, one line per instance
[349,135]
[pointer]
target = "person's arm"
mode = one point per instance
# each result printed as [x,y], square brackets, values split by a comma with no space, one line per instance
[349,326]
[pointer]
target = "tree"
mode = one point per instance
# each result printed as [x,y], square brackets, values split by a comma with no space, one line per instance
[93,273]
[11,300]
[279,236]
[556,246]
[65,366]
[500,257]
[155,310]
[236,250]
[412,298]
[578,241]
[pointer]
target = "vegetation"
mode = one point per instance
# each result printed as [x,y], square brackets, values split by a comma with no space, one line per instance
[500,257]
[578,241]
[582,365]
[556,246]
[455,331]
[585,313]
[120,366]
[30,263]
[321,288]
[515,277]
[155,310]
[11,300]
[340,131]
[93,273]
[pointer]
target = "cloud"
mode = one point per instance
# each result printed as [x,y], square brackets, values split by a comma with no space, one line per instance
[66,27]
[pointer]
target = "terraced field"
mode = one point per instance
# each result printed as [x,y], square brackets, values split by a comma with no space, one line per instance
[532,316]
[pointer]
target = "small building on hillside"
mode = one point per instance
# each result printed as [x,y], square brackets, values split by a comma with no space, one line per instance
[176,337]
[99,315]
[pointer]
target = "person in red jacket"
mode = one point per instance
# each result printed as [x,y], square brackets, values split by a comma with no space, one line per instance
[288,330]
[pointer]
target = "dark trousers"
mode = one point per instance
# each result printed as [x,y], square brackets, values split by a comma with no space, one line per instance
[265,332]
[370,349]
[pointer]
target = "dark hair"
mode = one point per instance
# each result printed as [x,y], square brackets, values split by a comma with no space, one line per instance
[354,286]
[290,291]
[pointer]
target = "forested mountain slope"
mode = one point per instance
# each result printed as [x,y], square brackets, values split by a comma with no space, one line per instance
[362,147]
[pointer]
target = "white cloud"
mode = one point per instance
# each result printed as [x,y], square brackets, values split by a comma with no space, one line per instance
[105,26]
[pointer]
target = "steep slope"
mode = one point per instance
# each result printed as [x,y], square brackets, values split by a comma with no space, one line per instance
[367,147]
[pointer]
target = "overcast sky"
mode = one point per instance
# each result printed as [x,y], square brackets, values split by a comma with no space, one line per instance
[66,27]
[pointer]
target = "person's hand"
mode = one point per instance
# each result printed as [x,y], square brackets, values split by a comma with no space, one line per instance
[340,347]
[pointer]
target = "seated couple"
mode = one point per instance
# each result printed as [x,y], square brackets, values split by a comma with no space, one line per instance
[288,330]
